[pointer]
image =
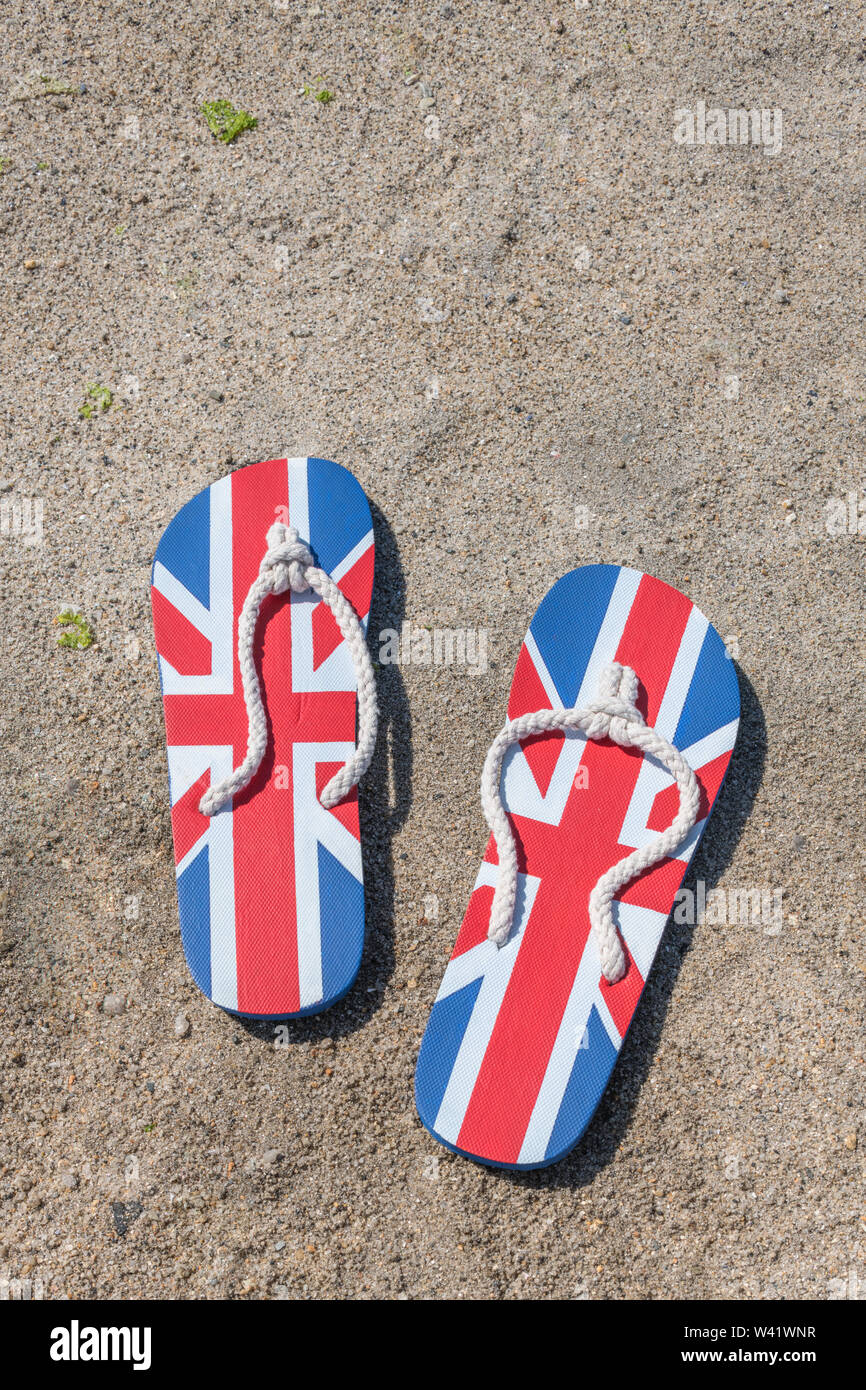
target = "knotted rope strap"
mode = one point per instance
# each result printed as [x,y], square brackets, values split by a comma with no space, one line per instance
[289,564]
[613,715]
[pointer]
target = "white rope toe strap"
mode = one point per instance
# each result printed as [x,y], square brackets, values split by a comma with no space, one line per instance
[613,715]
[289,564]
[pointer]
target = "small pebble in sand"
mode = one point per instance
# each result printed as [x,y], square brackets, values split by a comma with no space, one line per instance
[113,1005]
[181,1026]
[428,313]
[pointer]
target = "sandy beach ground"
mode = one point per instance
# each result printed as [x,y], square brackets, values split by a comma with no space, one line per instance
[504,262]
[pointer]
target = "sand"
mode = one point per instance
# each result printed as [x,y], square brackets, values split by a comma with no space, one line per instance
[542,332]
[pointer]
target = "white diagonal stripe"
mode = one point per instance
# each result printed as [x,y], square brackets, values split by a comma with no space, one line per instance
[520,792]
[180,598]
[186,763]
[641,929]
[353,557]
[653,779]
[466,967]
[542,672]
[462,1080]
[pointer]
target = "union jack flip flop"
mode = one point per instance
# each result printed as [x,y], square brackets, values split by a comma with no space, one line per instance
[261,590]
[621,722]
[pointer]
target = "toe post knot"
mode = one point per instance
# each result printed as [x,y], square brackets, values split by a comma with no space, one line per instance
[615,707]
[286,560]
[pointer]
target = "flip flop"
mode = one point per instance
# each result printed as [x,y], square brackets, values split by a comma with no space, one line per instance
[263,661]
[621,722]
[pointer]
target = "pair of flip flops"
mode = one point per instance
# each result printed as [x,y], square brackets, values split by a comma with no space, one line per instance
[621,721]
